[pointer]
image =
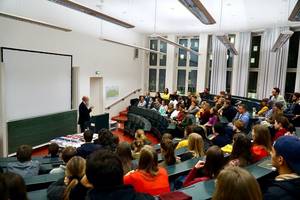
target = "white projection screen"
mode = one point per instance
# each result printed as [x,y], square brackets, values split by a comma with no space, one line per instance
[36,83]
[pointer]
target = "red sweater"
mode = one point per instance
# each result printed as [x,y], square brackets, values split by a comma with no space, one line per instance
[146,183]
[279,133]
[258,153]
[192,178]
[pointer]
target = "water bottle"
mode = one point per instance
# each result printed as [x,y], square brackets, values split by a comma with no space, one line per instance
[253,111]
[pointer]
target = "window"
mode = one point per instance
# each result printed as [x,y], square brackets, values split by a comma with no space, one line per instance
[187,65]
[229,64]
[292,65]
[209,61]
[253,65]
[157,66]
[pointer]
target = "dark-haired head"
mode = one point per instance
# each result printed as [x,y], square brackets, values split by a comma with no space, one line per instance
[214,161]
[16,186]
[3,188]
[88,135]
[167,150]
[201,130]
[123,150]
[104,169]
[24,153]
[219,128]
[241,148]
[53,149]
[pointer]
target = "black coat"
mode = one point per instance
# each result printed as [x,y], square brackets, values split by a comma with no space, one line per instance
[124,192]
[86,149]
[84,113]
[283,190]
[229,113]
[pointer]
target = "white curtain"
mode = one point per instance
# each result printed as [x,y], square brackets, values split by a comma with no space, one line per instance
[219,64]
[241,80]
[272,65]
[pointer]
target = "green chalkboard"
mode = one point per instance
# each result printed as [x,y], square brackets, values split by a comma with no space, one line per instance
[40,130]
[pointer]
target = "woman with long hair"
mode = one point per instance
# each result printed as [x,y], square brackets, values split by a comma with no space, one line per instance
[261,146]
[149,177]
[16,186]
[235,183]
[124,152]
[241,151]
[168,153]
[208,169]
[195,147]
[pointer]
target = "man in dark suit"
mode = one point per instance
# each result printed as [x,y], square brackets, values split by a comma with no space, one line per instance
[84,114]
[88,147]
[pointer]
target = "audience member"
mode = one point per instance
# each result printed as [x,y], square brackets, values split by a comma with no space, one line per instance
[170,110]
[166,95]
[238,126]
[235,183]
[3,188]
[243,115]
[105,172]
[136,147]
[276,97]
[175,112]
[195,147]
[204,113]
[219,137]
[124,152]
[66,155]
[25,166]
[163,108]
[241,151]
[71,185]
[148,100]
[201,130]
[285,157]
[277,110]
[140,135]
[205,94]
[281,125]
[53,150]
[184,142]
[193,109]
[142,103]
[88,147]
[149,177]
[208,169]
[295,109]
[213,119]
[228,110]
[263,107]
[106,140]
[16,186]
[261,142]
[168,153]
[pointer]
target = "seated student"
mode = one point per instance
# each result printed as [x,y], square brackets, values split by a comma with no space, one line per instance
[175,112]
[195,147]
[204,113]
[16,186]
[88,147]
[104,171]
[263,107]
[170,109]
[72,186]
[106,139]
[166,95]
[277,110]
[208,169]
[184,142]
[66,155]
[213,119]
[136,147]
[243,115]
[142,103]
[124,152]
[261,146]
[228,110]
[174,100]
[149,177]
[295,109]
[3,188]
[140,135]
[53,150]
[285,157]
[163,108]
[201,130]
[241,151]
[25,166]
[238,126]
[168,153]
[193,109]
[181,113]
[281,125]
[276,97]
[235,183]
[219,137]
[148,100]
[166,136]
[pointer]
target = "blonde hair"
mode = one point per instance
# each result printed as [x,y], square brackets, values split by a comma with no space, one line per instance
[148,161]
[235,183]
[140,135]
[196,144]
[75,170]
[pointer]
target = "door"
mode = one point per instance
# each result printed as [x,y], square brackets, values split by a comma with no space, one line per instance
[96,95]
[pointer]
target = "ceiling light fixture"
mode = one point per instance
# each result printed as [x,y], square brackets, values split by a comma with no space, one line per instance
[94,13]
[197,8]
[225,40]
[32,21]
[131,45]
[281,40]
[174,43]
[295,14]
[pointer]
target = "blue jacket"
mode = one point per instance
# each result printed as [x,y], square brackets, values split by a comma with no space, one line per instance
[25,169]
[87,148]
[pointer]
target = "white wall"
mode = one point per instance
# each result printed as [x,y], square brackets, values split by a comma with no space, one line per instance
[115,63]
